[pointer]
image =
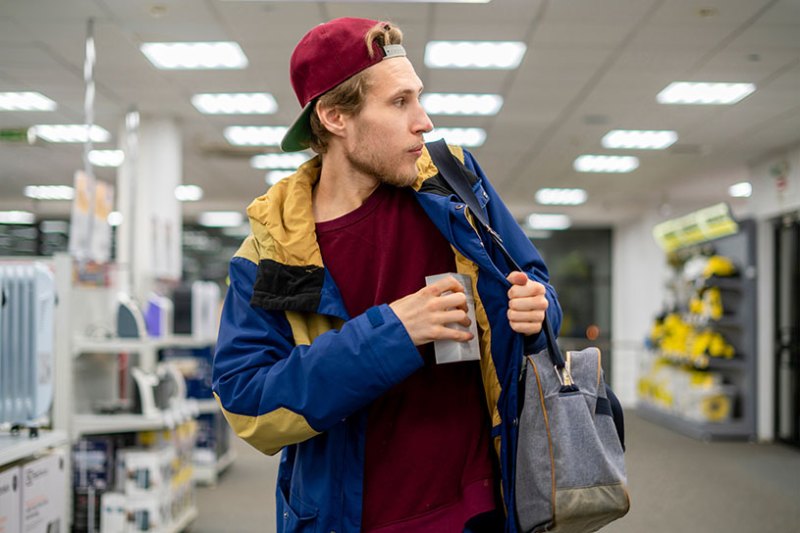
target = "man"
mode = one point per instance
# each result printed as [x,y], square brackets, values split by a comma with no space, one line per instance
[325,345]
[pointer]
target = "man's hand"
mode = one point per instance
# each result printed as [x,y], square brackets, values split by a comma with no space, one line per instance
[426,313]
[526,304]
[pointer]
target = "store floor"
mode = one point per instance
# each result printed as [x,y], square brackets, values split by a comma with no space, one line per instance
[677,484]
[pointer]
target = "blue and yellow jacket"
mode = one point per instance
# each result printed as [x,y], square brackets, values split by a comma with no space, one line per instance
[294,372]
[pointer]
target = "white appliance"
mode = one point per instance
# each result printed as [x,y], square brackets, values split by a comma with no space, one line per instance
[26,342]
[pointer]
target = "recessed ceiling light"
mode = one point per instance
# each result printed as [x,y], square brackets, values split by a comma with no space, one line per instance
[17,217]
[469,137]
[606,163]
[235,103]
[106,158]
[461,104]
[26,101]
[255,135]
[741,190]
[195,55]
[640,139]
[704,93]
[220,219]
[49,192]
[548,221]
[284,161]
[69,133]
[474,54]
[274,176]
[188,193]
[114,218]
[561,196]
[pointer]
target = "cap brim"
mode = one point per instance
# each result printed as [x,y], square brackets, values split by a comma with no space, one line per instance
[298,137]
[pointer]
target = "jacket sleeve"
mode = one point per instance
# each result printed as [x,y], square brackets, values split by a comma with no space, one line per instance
[522,249]
[275,393]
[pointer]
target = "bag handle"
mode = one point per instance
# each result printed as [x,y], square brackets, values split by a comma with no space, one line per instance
[455,174]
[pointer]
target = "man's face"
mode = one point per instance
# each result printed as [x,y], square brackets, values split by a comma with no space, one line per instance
[384,140]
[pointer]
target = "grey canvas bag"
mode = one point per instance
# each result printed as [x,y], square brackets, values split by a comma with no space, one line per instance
[570,469]
[570,474]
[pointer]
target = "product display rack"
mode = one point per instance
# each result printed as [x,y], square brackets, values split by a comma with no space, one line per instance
[15,447]
[74,349]
[740,328]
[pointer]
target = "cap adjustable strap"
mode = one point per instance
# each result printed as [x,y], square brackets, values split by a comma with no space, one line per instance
[393,50]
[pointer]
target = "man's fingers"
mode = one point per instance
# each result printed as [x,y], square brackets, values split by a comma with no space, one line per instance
[446,284]
[533,288]
[445,333]
[517,278]
[525,316]
[528,304]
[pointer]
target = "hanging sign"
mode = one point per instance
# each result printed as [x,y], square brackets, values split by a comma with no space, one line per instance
[701,226]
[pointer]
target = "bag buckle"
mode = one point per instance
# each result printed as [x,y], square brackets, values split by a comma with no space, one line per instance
[564,375]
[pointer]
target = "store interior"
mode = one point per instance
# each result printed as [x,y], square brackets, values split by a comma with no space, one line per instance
[649,149]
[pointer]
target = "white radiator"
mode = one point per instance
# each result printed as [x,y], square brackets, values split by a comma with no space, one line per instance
[26,342]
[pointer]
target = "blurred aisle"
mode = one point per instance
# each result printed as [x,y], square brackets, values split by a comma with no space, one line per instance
[243,501]
[678,484]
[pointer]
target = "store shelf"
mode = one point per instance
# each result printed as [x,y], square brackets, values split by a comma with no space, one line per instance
[16,447]
[91,424]
[699,430]
[183,522]
[207,474]
[205,407]
[83,345]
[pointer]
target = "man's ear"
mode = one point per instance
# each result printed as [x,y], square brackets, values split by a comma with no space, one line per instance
[332,119]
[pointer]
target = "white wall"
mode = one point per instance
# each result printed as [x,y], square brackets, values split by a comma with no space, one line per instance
[638,276]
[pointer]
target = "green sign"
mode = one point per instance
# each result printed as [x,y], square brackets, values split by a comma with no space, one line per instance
[14,135]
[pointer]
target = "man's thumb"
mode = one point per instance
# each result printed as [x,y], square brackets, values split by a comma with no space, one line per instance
[517,278]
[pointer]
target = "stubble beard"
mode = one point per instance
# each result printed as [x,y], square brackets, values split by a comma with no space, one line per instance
[372,163]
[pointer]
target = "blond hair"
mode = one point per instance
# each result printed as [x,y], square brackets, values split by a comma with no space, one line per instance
[349,96]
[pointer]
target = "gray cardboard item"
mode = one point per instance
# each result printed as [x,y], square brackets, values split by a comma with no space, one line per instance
[448,351]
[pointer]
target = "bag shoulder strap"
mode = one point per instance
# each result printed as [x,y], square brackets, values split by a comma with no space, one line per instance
[455,174]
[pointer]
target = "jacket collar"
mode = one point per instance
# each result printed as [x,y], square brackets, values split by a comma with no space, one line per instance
[282,220]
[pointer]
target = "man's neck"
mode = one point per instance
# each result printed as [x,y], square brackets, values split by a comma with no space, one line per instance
[340,189]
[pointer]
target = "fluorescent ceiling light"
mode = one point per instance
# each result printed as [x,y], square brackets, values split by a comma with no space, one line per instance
[16,217]
[561,196]
[606,163]
[49,192]
[200,55]
[235,103]
[469,137]
[640,139]
[255,135]
[704,93]
[474,54]
[274,176]
[538,221]
[106,158]
[284,161]
[69,133]
[114,218]
[386,1]
[188,193]
[26,101]
[462,104]
[741,190]
[220,219]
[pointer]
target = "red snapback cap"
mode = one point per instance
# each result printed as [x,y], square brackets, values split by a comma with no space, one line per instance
[327,55]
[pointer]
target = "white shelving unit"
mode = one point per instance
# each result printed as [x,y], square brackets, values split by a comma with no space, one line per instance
[19,446]
[77,350]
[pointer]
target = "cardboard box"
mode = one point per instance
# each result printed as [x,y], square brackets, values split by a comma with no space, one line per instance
[10,499]
[44,484]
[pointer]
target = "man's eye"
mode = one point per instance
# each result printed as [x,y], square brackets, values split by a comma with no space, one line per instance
[400,102]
